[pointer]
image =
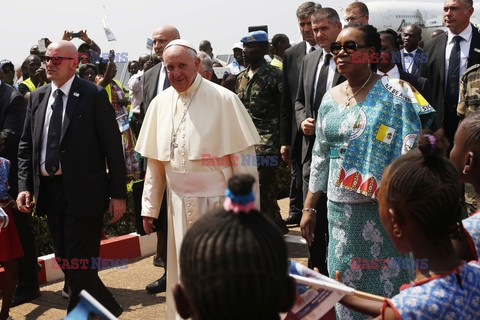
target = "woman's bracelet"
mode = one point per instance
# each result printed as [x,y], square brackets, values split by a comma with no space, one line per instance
[309,209]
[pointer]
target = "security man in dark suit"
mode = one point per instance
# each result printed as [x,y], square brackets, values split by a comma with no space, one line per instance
[411,54]
[290,141]
[69,140]
[449,55]
[318,74]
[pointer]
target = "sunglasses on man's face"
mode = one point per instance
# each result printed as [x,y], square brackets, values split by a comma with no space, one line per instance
[349,47]
[56,59]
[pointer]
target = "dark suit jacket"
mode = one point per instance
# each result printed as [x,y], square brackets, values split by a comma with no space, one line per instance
[304,107]
[434,69]
[150,85]
[90,141]
[12,117]
[292,61]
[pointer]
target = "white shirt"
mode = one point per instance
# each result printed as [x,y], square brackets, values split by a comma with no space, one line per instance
[394,72]
[464,50]
[408,62]
[48,114]
[308,46]
[135,85]
[331,72]
[161,78]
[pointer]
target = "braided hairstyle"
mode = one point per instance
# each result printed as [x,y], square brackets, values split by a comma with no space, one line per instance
[234,266]
[424,184]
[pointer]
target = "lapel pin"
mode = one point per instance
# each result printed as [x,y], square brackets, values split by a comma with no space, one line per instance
[476,50]
[76,94]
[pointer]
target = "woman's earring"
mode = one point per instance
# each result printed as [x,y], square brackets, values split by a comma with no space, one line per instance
[396,231]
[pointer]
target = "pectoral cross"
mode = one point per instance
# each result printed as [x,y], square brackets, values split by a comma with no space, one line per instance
[173,145]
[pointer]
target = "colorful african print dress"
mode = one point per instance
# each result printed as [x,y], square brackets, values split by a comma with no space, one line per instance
[352,147]
[472,226]
[131,163]
[452,296]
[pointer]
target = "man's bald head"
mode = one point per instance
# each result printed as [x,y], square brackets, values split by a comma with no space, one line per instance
[411,37]
[182,65]
[162,36]
[62,61]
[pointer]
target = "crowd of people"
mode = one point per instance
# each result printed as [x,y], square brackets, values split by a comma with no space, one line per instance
[381,132]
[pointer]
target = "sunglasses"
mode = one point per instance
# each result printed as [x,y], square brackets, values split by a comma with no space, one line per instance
[349,47]
[56,59]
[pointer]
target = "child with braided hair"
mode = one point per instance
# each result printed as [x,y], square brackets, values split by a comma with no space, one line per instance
[233,263]
[420,209]
[465,156]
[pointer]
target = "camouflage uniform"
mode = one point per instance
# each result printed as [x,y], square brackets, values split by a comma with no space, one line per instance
[261,97]
[469,91]
[469,103]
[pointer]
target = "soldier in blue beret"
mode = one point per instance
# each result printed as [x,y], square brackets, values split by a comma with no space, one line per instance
[259,88]
[255,36]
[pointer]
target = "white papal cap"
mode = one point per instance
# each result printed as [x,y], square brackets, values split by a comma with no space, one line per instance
[180,42]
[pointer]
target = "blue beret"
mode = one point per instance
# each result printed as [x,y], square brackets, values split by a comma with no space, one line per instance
[255,36]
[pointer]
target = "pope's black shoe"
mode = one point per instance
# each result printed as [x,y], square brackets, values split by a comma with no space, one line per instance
[158,286]
[294,218]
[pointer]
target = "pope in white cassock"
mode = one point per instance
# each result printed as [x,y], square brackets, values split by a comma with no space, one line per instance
[196,135]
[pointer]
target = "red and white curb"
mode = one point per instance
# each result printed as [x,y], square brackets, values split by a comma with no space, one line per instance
[129,246]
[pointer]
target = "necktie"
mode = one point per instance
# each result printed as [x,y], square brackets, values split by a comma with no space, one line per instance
[453,74]
[52,158]
[322,82]
[166,83]
[311,49]
[408,54]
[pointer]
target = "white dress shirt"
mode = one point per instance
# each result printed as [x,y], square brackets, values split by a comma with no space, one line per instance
[394,72]
[161,78]
[464,50]
[48,114]
[408,62]
[331,72]
[309,46]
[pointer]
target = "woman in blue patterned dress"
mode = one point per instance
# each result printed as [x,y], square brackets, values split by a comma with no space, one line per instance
[363,124]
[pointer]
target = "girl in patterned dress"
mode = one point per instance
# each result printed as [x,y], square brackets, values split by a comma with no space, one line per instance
[420,209]
[10,247]
[464,156]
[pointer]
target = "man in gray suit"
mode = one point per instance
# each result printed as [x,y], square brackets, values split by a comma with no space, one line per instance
[317,75]
[155,81]
[290,141]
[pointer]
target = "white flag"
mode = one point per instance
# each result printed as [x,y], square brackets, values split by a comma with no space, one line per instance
[106,27]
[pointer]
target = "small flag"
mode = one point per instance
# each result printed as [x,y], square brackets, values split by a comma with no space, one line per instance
[106,27]
[149,44]
[385,134]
